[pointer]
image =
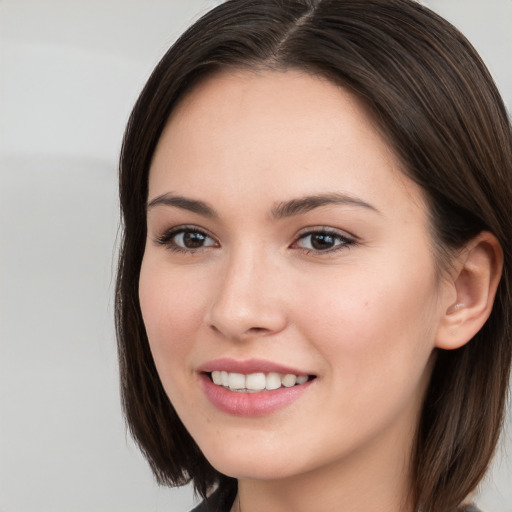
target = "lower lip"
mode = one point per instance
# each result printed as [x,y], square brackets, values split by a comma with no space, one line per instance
[251,404]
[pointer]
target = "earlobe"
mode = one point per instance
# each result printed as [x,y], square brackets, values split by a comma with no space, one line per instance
[475,281]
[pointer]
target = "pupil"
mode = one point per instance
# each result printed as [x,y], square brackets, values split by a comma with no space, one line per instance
[322,241]
[193,240]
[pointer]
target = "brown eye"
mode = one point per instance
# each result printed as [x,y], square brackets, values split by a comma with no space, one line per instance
[323,241]
[186,239]
[192,239]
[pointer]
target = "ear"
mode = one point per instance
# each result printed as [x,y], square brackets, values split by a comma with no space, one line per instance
[473,285]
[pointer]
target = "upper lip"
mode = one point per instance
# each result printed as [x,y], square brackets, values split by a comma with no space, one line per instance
[248,366]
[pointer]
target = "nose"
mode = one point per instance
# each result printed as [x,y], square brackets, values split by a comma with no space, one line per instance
[249,298]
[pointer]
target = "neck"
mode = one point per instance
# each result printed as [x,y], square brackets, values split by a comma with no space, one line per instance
[378,480]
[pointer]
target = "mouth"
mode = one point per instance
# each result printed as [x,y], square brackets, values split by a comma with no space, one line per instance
[253,387]
[257,382]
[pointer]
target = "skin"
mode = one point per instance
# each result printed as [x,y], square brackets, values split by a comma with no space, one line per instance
[362,316]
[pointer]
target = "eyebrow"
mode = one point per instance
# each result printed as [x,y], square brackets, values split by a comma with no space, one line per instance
[192,205]
[308,203]
[279,210]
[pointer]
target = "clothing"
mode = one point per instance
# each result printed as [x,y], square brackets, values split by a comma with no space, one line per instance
[222,502]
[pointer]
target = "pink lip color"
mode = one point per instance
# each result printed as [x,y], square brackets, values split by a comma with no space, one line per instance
[249,404]
[248,366]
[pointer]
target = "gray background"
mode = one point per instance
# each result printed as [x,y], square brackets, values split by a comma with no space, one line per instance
[70,70]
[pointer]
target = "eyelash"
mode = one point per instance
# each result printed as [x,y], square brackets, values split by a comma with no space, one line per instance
[344,241]
[167,239]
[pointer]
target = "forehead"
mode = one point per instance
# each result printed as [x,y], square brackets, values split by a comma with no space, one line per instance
[276,134]
[233,99]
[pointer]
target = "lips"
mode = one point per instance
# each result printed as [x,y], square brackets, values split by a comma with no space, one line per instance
[248,366]
[252,387]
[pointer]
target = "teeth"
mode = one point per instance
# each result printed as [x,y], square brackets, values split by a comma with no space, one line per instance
[289,380]
[256,381]
[236,381]
[273,381]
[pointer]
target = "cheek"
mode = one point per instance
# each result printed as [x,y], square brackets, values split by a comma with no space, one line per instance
[373,327]
[172,310]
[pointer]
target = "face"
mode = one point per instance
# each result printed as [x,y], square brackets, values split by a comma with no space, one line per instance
[288,285]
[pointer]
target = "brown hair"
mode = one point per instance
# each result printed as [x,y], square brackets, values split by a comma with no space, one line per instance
[436,103]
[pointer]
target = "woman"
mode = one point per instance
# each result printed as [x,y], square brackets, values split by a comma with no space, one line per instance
[313,297]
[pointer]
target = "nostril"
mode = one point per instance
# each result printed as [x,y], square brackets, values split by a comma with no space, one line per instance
[240,321]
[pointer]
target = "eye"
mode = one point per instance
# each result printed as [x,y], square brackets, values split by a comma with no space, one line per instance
[323,241]
[186,239]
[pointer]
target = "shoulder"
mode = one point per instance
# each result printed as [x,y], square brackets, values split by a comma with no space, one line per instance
[202,507]
[211,506]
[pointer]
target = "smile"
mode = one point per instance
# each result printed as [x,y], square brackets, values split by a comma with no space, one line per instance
[253,387]
[256,382]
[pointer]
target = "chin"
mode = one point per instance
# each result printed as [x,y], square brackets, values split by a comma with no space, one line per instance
[252,464]
[245,470]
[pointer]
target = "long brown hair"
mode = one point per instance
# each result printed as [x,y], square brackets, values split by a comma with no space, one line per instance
[434,100]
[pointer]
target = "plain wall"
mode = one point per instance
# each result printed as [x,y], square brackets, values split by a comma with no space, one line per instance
[70,71]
